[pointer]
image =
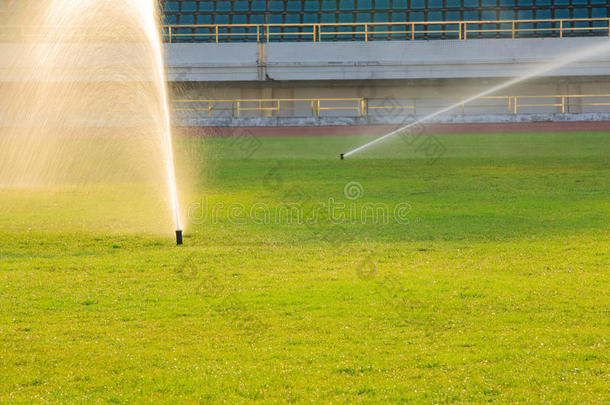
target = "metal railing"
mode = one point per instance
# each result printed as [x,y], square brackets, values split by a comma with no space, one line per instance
[318,32]
[273,106]
[362,107]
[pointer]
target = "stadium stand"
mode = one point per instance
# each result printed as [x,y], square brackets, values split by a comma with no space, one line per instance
[182,14]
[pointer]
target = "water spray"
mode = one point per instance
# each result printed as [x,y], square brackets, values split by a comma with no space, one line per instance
[556,64]
[161,78]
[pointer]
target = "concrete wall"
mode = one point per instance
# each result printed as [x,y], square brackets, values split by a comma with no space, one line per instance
[381,60]
[332,61]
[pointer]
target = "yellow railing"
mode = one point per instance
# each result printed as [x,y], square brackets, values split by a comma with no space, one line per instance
[361,107]
[374,30]
[272,106]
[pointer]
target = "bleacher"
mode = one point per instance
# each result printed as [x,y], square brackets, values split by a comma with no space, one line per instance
[239,12]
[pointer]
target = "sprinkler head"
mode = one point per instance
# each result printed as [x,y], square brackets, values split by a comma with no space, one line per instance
[341,156]
[178,237]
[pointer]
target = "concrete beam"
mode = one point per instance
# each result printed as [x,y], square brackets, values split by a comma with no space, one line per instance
[251,62]
[380,59]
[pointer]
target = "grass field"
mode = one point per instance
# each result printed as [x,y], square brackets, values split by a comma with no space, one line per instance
[491,285]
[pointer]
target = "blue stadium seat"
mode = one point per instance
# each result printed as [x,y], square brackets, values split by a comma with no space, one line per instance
[507,15]
[471,15]
[525,29]
[399,29]
[488,15]
[293,6]
[581,13]
[258,5]
[562,13]
[188,7]
[223,6]
[382,4]
[452,16]
[206,6]
[363,17]
[399,17]
[240,6]
[276,6]
[310,18]
[365,5]
[543,14]
[257,19]
[187,19]
[380,17]
[221,19]
[293,19]
[171,6]
[239,19]
[416,16]
[418,4]
[312,6]
[328,18]
[346,18]
[346,5]
[275,19]
[434,16]
[329,5]
[204,19]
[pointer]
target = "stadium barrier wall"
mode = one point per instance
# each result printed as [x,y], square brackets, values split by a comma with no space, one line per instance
[378,60]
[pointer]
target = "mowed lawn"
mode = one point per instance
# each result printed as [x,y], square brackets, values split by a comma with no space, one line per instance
[479,276]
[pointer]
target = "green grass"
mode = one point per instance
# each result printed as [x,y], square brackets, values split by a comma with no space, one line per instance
[495,290]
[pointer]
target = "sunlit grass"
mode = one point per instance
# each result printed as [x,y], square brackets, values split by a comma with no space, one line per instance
[495,290]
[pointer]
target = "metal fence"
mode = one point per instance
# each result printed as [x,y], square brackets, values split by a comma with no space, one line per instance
[371,31]
[362,107]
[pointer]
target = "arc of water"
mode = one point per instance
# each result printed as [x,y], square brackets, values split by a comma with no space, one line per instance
[556,64]
[156,41]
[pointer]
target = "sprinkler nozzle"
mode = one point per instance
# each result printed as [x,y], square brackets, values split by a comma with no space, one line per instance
[341,156]
[178,237]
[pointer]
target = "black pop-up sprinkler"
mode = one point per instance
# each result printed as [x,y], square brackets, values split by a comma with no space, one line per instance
[178,237]
[341,156]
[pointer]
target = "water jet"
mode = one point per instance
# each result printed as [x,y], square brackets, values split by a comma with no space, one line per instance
[544,68]
[85,104]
